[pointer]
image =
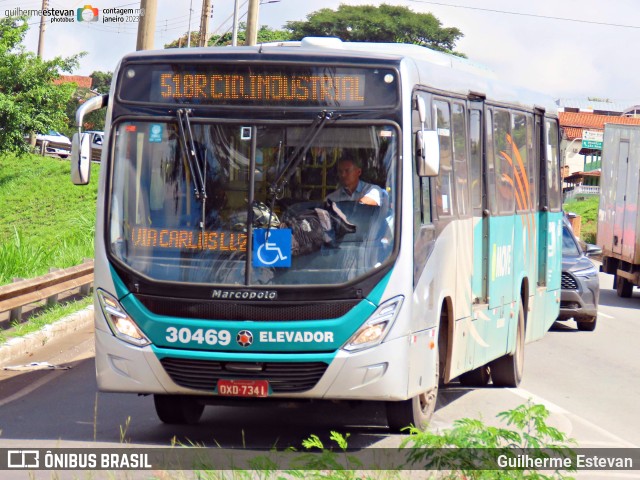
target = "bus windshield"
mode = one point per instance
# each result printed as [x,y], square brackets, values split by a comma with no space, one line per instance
[330,218]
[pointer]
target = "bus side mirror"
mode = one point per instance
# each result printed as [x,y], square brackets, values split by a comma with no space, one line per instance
[80,159]
[81,144]
[427,153]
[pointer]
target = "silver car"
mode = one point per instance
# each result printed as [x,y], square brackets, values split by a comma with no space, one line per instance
[580,285]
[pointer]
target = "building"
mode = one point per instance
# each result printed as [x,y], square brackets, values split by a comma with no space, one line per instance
[79,80]
[582,127]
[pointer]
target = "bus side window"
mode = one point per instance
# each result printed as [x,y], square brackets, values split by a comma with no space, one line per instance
[503,162]
[461,169]
[422,185]
[425,196]
[475,157]
[553,166]
[520,162]
[533,172]
[491,174]
[444,181]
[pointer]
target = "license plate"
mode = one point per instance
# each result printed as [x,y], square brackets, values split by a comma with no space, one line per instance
[243,388]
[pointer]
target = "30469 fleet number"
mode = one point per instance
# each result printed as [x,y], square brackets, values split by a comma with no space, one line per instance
[200,336]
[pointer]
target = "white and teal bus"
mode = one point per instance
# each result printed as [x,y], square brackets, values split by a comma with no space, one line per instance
[226,272]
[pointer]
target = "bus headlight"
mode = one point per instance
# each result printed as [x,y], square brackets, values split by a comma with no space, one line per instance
[120,322]
[375,329]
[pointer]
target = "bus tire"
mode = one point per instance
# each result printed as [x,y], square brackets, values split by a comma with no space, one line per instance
[478,377]
[506,371]
[624,287]
[178,409]
[416,411]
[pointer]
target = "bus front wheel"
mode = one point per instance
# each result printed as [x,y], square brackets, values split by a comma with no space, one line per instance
[178,409]
[416,411]
[506,371]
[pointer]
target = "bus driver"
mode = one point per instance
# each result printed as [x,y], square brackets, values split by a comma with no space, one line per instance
[352,188]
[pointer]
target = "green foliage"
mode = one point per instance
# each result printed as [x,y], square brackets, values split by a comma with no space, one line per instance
[386,23]
[465,445]
[265,34]
[329,463]
[29,100]
[101,82]
[45,220]
[588,211]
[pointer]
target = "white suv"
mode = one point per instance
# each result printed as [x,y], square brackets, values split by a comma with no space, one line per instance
[96,143]
[57,144]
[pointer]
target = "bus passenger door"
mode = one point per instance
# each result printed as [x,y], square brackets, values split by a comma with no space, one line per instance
[479,206]
[543,208]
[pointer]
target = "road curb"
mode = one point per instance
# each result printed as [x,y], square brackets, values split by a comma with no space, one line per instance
[15,347]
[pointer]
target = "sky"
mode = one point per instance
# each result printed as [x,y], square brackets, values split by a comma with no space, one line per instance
[565,48]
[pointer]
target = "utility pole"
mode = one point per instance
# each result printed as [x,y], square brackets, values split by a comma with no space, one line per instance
[234,38]
[189,32]
[147,24]
[204,23]
[252,23]
[43,27]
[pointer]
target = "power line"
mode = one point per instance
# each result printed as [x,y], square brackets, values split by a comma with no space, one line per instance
[546,17]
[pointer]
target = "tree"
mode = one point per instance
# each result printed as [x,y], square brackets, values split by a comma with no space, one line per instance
[29,100]
[265,34]
[386,23]
[100,84]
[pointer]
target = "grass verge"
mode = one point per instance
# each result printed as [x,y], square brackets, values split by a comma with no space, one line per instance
[46,317]
[588,211]
[45,220]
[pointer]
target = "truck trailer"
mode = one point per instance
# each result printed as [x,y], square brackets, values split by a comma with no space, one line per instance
[618,224]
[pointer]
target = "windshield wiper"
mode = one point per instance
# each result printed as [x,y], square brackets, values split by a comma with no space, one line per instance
[189,149]
[298,155]
[276,189]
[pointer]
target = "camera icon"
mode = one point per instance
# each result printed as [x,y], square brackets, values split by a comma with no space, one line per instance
[87,14]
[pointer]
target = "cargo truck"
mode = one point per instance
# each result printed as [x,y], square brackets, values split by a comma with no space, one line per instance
[618,224]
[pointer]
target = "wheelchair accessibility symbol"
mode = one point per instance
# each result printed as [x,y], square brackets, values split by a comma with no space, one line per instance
[272,248]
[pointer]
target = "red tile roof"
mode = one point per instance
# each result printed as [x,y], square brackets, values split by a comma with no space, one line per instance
[573,123]
[579,175]
[79,80]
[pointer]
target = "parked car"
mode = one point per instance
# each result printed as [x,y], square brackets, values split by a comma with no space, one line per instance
[580,284]
[96,143]
[56,143]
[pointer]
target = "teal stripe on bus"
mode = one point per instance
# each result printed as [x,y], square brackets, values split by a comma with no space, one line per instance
[243,357]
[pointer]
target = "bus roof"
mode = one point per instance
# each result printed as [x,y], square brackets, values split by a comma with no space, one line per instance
[435,69]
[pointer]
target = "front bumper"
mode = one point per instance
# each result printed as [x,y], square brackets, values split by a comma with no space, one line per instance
[580,303]
[378,373]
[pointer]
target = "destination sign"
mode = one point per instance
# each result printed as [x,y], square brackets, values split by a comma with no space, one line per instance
[225,88]
[177,239]
[258,85]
